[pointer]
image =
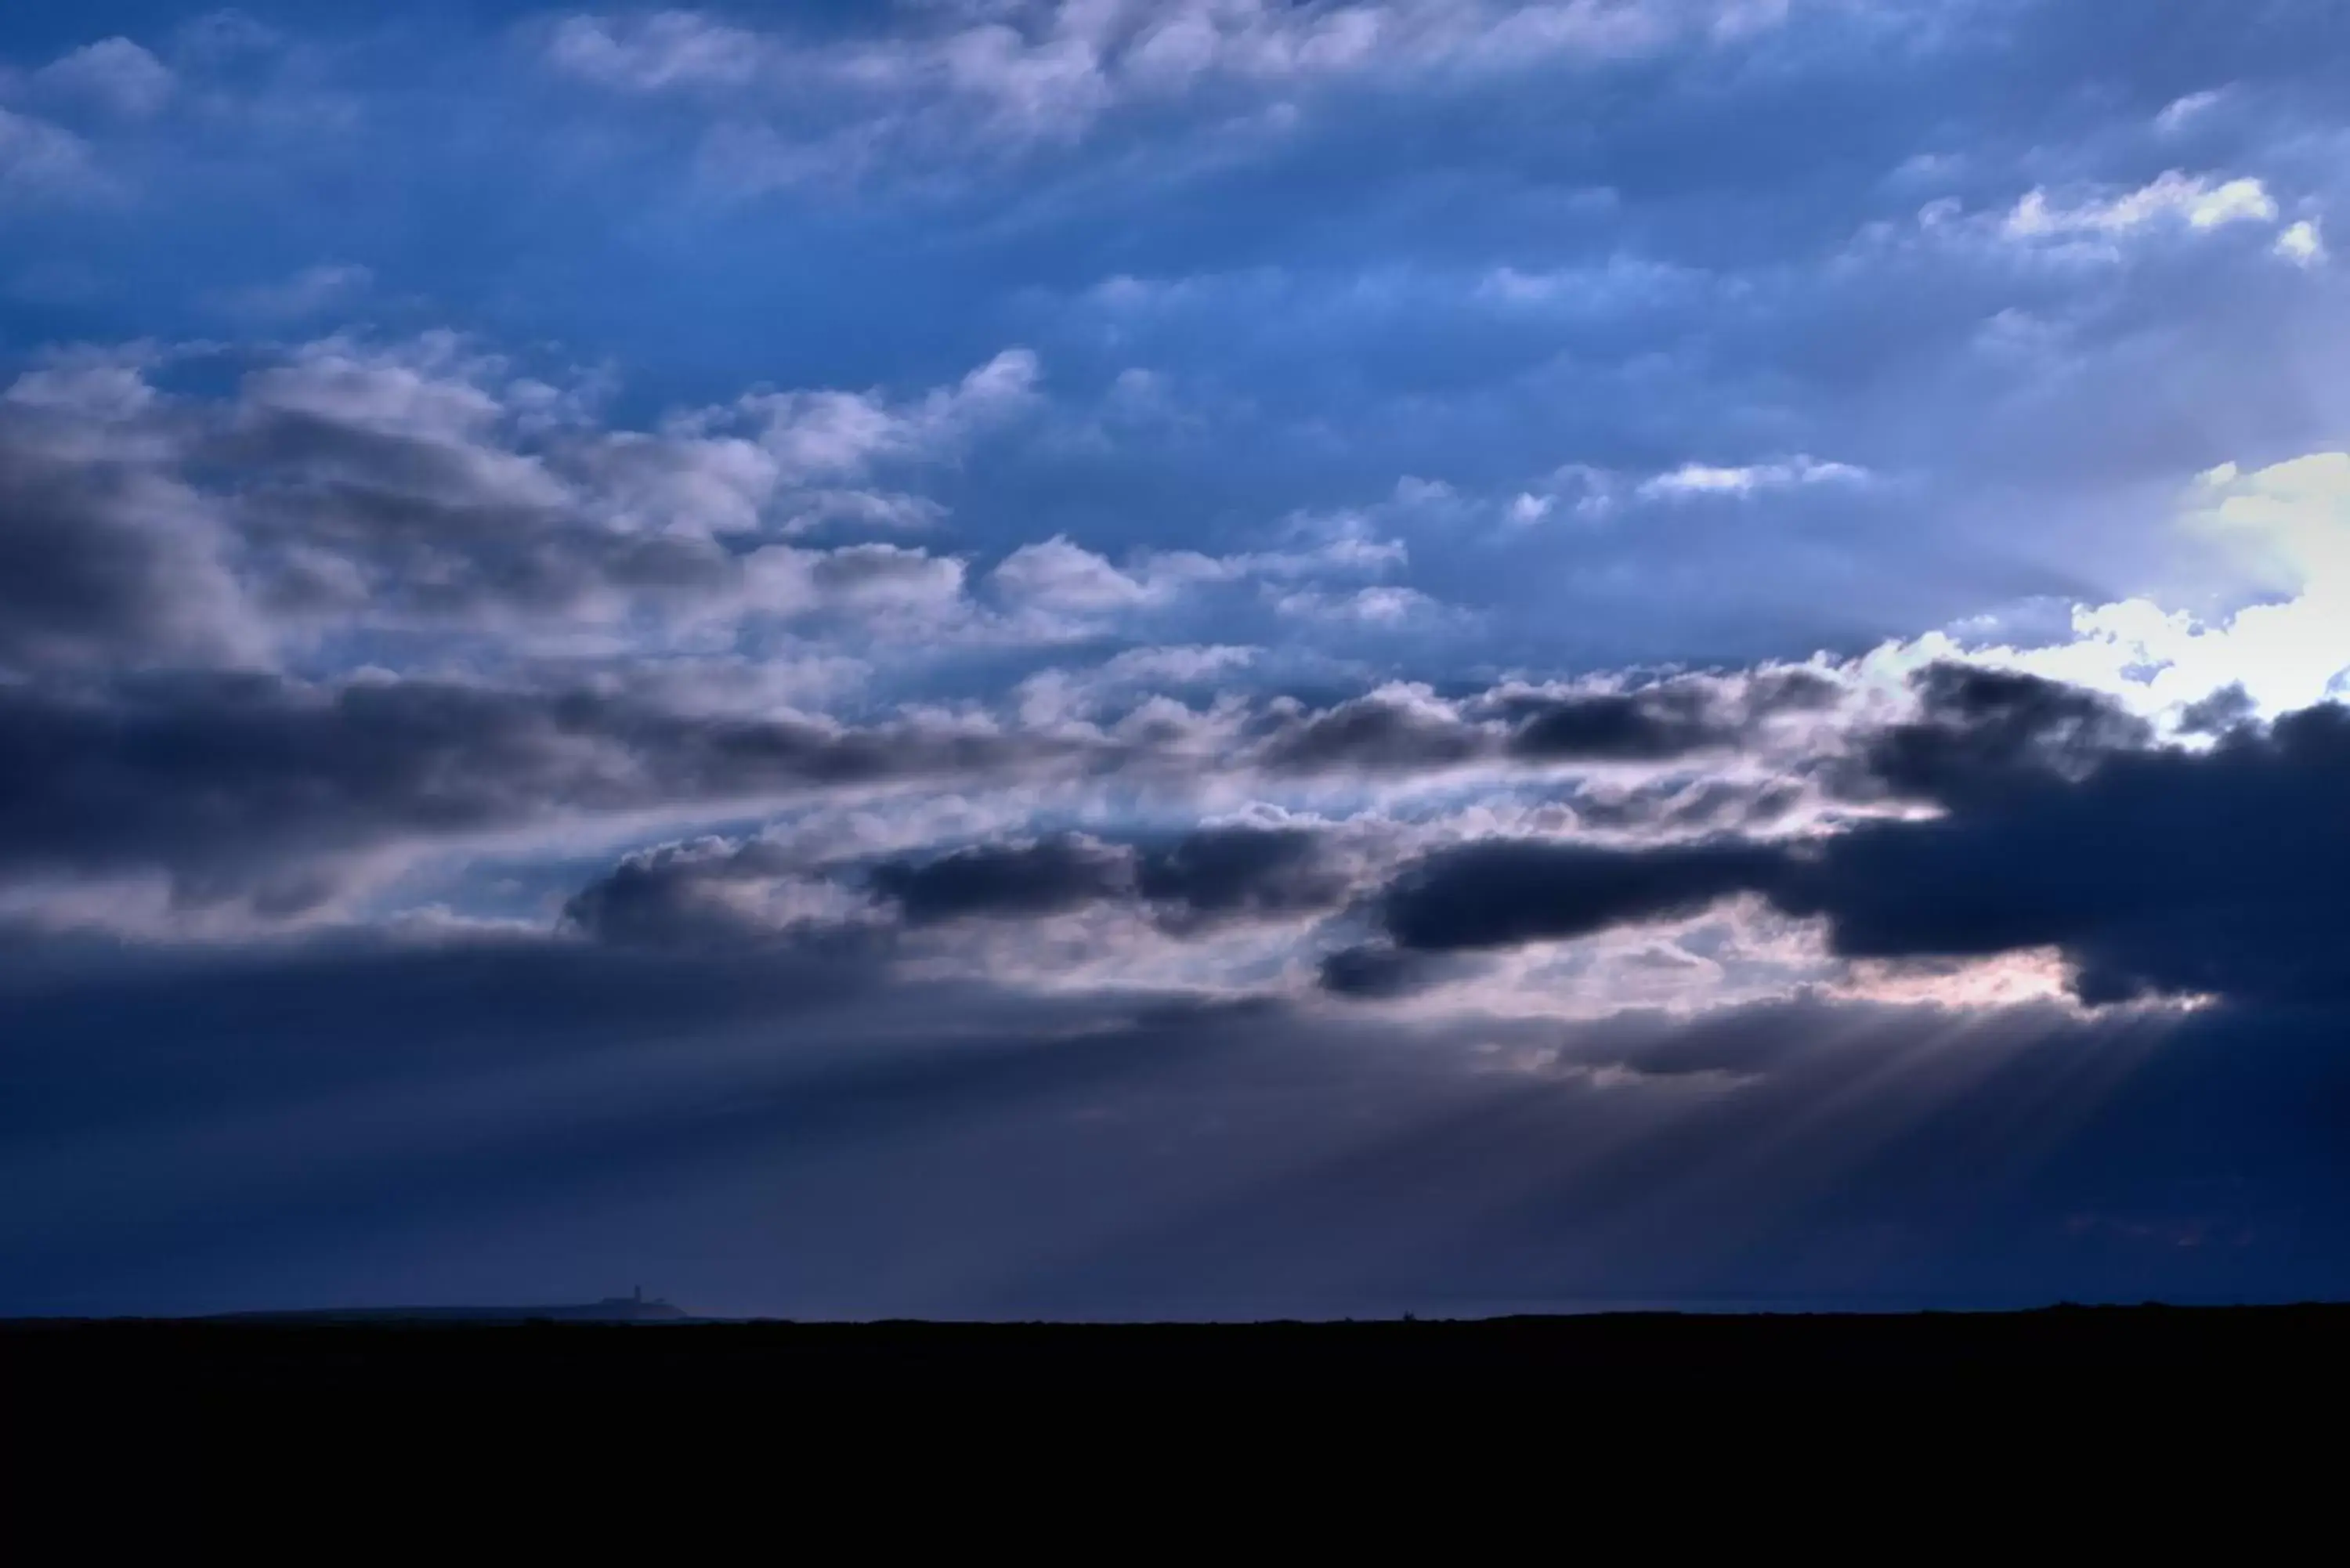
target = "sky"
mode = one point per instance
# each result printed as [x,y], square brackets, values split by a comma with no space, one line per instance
[1135,658]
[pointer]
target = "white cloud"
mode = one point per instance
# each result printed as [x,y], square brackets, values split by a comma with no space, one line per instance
[1087,51]
[1059,575]
[1624,282]
[2279,536]
[1384,606]
[1701,480]
[433,386]
[1036,72]
[115,74]
[2304,244]
[814,434]
[2181,112]
[2096,226]
[1177,666]
[2200,203]
[1060,578]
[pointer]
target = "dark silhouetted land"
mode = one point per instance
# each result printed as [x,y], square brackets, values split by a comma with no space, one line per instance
[2297,1349]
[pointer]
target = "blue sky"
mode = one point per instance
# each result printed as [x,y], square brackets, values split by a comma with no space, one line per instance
[1112,658]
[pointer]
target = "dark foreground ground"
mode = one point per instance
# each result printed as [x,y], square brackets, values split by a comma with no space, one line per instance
[2298,1352]
[1430,1439]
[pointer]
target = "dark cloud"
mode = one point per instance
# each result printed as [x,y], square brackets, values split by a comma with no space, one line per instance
[2220,712]
[1375,971]
[663,897]
[102,560]
[1049,877]
[226,781]
[1503,893]
[2158,871]
[399,555]
[715,892]
[1239,872]
[2153,869]
[1666,720]
[1196,879]
[1661,721]
[1682,805]
[1639,726]
[1982,731]
[1374,735]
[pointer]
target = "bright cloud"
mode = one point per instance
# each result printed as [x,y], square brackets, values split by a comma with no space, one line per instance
[1701,479]
[2199,201]
[2304,244]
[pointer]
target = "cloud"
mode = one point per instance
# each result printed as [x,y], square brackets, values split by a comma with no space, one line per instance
[2153,870]
[1405,728]
[1190,886]
[1178,665]
[104,558]
[2199,201]
[1235,873]
[37,159]
[1398,728]
[259,789]
[114,74]
[668,49]
[1979,731]
[1044,75]
[2051,239]
[422,487]
[712,891]
[1056,574]
[833,434]
[2304,244]
[1698,479]
[1048,877]
[2160,872]
[1650,725]
[1387,606]
[1375,972]
[399,462]
[1033,65]
[2181,112]
[2274,543]
[1503,894]
[1057,589]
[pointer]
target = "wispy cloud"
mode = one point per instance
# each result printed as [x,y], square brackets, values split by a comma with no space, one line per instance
[2198,202]
[1697,479]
